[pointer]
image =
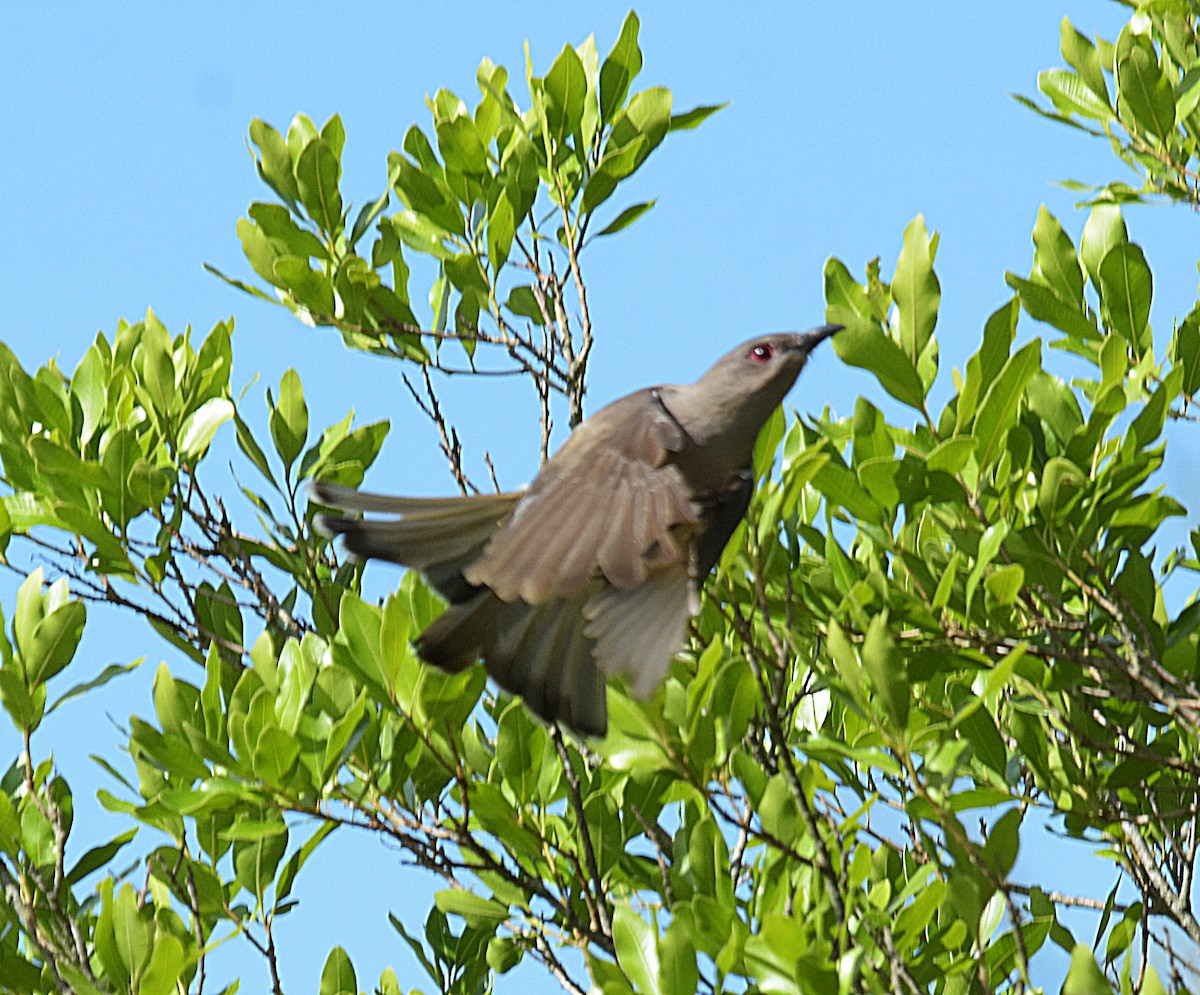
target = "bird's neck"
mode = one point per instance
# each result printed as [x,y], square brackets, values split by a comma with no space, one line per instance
[720,438]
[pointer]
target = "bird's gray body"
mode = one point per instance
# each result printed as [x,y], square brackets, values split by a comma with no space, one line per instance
[594,570]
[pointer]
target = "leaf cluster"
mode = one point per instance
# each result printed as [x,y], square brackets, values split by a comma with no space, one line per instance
[941,628]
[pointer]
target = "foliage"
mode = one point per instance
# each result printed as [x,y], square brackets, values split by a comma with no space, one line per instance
[940,628]
[1151,113]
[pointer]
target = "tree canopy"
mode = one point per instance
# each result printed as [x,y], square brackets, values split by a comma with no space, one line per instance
[941,627]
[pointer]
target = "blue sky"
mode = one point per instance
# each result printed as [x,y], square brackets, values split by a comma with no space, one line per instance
[125,169]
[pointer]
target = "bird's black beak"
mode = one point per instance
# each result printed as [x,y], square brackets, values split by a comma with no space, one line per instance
[810,340]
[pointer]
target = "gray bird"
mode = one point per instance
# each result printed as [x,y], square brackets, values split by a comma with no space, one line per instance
[595,569]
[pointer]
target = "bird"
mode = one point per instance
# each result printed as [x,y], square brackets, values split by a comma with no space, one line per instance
[595,569]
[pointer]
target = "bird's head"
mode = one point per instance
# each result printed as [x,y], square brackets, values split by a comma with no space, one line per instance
[753,379]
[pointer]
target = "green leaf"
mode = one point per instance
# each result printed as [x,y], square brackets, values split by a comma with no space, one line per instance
[1185,351]
[1084,977]
[287,237]
[462,148]
[275,754]
[614,167]
[1127,286]
[916,291]
[418,232]
[1004,584]
[475,909]
[998,410]
[695,117]
[1144,95]
[1071,95]
[952,454]
[503,954]
[500,232]
[864,345]
[255,860]
[1105,228]
[249,445]
[1044,305]
[844,658]
[1054,259]
[519,746]
[157,366]
[202,424]
[318,171]
[98,856]
[133,933]
[1082,56]
[648,116]
[626,218]
[564,88]
[106,675]
[337,976]
[54,641]
[274,161]
[886,671]
[636,948]
[989,545]
[289,419]
[308,287]
[89,386]
[1000,850]
[677,970]
[166,966]
[985,365]
[620,67]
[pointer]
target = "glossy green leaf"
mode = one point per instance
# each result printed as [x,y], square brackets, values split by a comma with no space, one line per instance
[615,166]
[1084,977]
[337,976]
[255,860]
[1071,95]
[202,424]
[1105,228]
[915,290]
[54,642]
[1127,287]
[473,908]
[862,345]
[167,964]
[695,117]
[564,88]
[274,161]
[318,172]
[133,931]
[998,409]
[1055,260]
[1082,56]
[289,419]
[678,973]
[1044,305]
[885,668]
[1144,95]
[626,218]
[620,67]
[1186,351]
[637,948]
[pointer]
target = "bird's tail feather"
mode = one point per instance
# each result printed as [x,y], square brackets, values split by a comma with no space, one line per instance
[438,536]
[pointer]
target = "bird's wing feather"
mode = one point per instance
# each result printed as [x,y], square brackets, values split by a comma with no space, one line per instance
[610,502]
[540,652]
[639,630]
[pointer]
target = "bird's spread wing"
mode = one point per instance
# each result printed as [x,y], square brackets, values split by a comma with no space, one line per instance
[437,536]
[609,503]
[639,630]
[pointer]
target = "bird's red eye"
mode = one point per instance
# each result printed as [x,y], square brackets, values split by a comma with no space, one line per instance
[761,353]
